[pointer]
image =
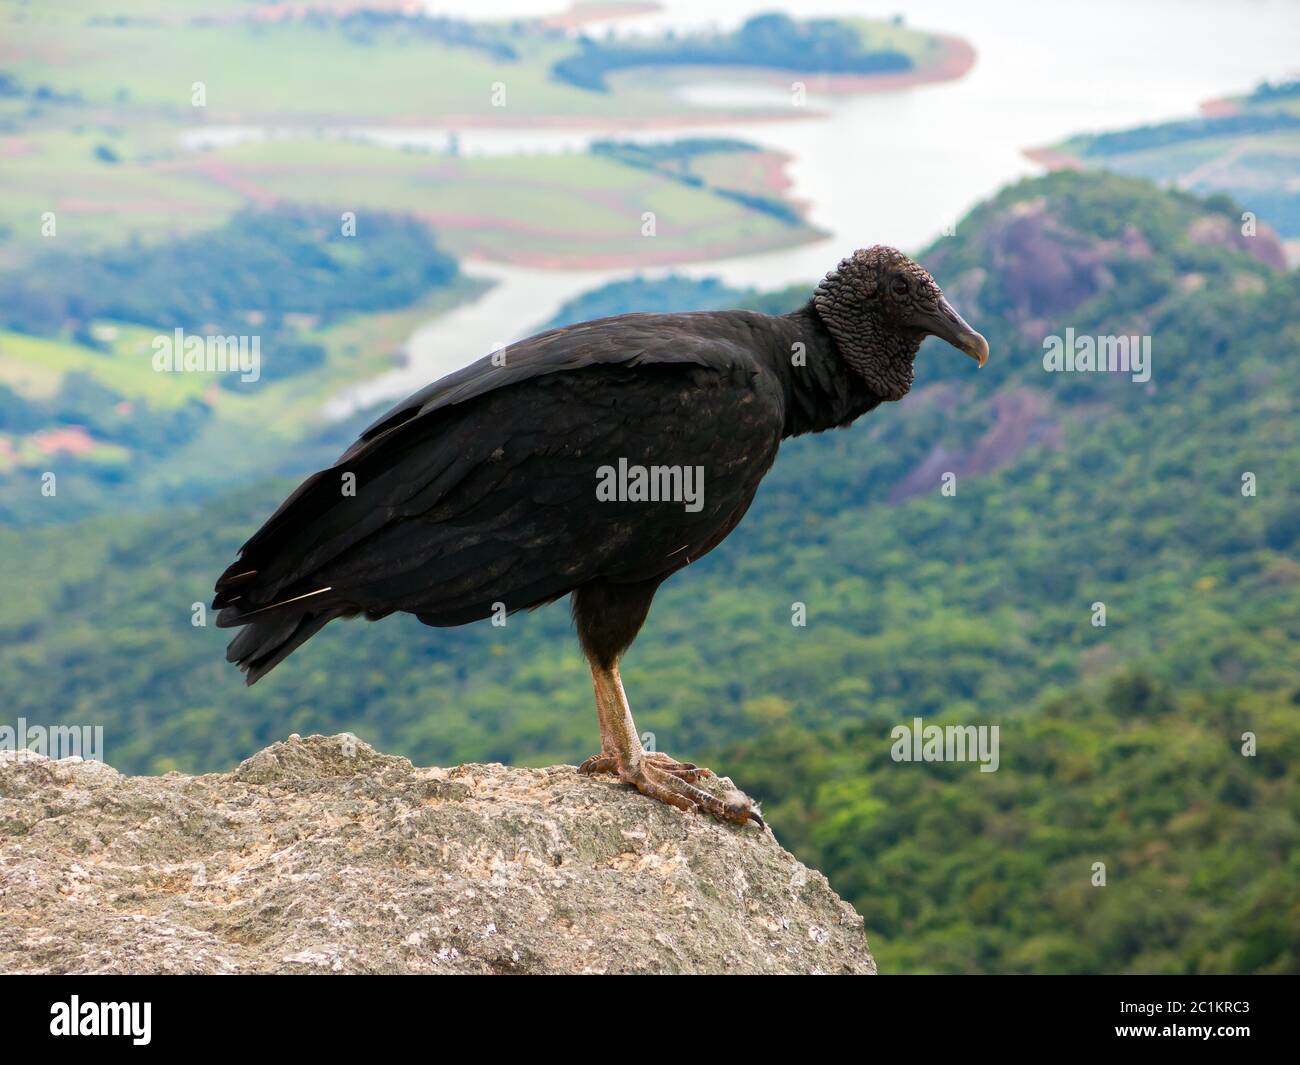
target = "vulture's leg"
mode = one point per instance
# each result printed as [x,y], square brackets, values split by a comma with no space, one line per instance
[619,741]
[608,618]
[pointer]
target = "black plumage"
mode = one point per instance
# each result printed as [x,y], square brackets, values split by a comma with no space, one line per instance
[479,493]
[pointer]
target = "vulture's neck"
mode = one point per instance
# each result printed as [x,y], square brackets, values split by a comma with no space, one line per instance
[824,393]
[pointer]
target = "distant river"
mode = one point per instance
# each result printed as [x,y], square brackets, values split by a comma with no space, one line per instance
[894,167]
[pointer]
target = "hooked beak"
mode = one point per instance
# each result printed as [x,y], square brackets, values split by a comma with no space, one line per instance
[948,325]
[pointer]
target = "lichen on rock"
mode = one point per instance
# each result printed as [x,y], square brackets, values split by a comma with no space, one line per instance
[324,855]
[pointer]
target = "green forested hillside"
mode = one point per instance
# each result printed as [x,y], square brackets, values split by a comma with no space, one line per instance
[959,871]
[80,332]
[1119,745]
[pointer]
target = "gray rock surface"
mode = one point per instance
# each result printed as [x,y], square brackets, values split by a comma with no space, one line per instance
[322,855]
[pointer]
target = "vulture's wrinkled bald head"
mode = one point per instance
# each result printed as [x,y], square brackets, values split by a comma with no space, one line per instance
[879,305]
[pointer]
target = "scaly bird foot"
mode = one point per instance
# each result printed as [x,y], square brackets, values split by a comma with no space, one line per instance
[670,781]
[608,763]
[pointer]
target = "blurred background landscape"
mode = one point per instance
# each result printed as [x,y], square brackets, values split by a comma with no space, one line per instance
[1112,168]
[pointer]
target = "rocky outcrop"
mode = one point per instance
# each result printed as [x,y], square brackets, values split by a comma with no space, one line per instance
[1218,231]
[323,855]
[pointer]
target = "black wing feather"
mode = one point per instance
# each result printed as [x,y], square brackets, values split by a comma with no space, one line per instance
[481,489]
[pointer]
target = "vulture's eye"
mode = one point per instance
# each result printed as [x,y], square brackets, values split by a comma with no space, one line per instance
[900,286]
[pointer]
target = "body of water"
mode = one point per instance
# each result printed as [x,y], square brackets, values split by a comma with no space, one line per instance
[895,167]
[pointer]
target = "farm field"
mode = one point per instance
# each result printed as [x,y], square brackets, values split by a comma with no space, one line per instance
[258,64]
[561,209]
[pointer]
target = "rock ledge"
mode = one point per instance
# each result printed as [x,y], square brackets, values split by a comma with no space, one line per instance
[323,855]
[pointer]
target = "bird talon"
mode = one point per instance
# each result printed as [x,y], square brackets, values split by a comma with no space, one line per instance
[687,771]
[669,781]
[599,763]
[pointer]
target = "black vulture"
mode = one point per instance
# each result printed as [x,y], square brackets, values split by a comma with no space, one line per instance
[594,461]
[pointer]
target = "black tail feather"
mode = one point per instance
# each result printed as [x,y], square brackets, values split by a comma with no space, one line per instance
[264,644]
